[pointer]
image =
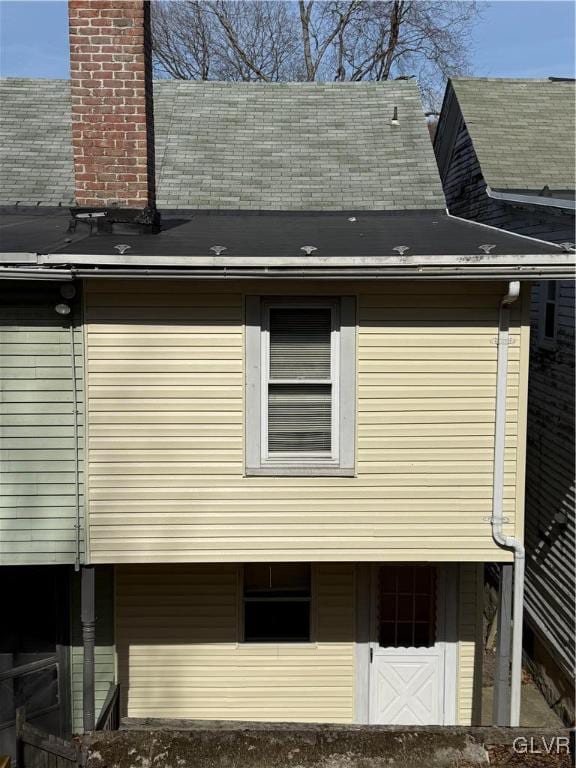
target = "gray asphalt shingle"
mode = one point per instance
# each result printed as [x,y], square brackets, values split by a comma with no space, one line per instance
[266,146]
[522,130]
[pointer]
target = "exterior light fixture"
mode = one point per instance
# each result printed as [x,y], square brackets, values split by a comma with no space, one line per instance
[218,249]
[568,247]
[401,249]
[486,248]
[395,120]
[62,309]
[122,248]
[67,291]
[308,249]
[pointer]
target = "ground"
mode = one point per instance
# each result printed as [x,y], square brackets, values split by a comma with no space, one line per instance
[534,711]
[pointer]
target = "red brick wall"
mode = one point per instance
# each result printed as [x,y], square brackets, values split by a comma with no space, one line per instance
[111,89]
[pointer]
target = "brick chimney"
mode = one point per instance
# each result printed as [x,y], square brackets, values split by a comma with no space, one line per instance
[112,111]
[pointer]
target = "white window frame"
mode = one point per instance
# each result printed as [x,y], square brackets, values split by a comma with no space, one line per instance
[544,300]
[343,382]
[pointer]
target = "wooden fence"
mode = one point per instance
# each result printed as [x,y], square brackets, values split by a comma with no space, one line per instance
[36,749]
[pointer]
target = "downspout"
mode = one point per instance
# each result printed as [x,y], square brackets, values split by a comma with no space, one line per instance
[497,519]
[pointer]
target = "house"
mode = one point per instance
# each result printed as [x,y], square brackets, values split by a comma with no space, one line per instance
[303,387]
[505,150]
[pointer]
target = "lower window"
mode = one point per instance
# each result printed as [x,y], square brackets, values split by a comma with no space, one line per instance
[277,602]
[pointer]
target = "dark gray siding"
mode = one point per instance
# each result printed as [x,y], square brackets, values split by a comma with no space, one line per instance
[37,452]
[550,528]
[465,191]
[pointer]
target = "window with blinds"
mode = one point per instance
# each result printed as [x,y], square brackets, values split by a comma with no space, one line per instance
[300,385]
[300,368]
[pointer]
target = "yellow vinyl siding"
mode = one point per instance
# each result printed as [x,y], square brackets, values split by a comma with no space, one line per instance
[165,399]
[179,655]
[470,606]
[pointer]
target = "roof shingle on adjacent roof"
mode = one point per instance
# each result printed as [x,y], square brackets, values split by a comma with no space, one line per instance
[241,146]
[522,130]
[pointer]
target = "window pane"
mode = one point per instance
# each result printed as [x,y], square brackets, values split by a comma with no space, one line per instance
[549,321]
[277,621]
[277,602]
[299,418]
[300,343]
[407,605]
[266,578]
[551,285]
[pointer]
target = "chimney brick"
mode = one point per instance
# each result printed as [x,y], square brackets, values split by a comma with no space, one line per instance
[112,112]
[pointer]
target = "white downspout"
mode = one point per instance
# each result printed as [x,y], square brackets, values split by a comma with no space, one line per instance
[508,542]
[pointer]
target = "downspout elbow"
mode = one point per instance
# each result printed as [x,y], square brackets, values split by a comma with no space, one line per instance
[513,293]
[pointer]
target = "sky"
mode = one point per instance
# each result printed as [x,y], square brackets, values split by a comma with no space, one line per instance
[513,38]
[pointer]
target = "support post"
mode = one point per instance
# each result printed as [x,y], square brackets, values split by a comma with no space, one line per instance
[501,706]
[88,637]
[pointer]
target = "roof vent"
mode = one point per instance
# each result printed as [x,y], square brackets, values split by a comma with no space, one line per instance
[308,249]
[122,248]
[568,247]
[486,248]
[395,120]
[352,218]
[401,249]
[218,249]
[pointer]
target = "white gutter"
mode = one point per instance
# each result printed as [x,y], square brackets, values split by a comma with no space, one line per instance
[497,519]
[542,200]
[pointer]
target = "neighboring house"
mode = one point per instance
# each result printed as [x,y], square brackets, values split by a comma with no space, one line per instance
[505,150]
[42,511]
[303,424]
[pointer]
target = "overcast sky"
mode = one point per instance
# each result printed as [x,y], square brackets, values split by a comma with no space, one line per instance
[513,38]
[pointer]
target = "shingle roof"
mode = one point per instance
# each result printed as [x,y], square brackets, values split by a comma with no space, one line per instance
[35,142]
[522,130]
[280,146]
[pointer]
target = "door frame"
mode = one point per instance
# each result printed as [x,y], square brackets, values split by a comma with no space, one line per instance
[447,615]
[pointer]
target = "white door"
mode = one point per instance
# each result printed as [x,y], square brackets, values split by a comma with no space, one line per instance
[407,654]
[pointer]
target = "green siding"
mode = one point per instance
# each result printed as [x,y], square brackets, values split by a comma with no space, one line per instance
[37,457]
[104,652]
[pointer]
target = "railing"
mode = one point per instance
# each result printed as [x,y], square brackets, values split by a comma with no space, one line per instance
[36,749]
[109,718]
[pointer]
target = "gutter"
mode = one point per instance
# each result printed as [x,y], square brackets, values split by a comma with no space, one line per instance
[540,200]
[497,519]
[554,266]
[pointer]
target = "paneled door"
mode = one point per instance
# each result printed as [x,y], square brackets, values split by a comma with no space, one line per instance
[407,655]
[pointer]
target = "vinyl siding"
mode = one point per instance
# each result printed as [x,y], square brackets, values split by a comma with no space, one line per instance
[165,398]
[179,655]
[470,608]
[37,458]
[550,506]
[104,652]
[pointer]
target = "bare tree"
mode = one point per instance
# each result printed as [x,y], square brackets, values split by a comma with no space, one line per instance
[271,40]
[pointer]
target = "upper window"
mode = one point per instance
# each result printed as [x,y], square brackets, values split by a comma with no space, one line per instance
[548,316]
[300,386]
